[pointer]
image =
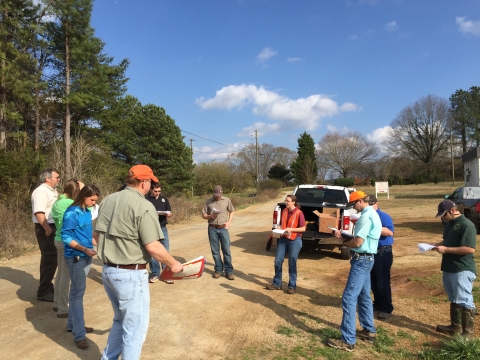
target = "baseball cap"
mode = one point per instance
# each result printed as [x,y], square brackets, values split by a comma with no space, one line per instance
[444,206]
[217,190]
[372,199]
[142,172]
[356,195]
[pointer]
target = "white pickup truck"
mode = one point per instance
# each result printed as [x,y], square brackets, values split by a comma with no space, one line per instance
[318,197]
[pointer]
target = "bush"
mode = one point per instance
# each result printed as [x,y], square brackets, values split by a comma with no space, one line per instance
[271,184]
[372,181]
[344,182]
[19,238]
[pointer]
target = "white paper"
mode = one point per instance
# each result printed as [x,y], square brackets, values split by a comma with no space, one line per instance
[278,231]
[422,247]
[215,211]
[163,212]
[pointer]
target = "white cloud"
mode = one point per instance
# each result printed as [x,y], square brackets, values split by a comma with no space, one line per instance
[301,112]
[468,26]
[262,129]
[294,59]
[379,135]
[391,26]
[266,54]
[218,153]
[334,129]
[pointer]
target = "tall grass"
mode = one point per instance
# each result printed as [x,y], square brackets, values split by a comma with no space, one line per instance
[18,234]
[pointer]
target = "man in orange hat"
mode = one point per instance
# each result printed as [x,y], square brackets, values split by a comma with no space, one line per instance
[357,290]
[128,234]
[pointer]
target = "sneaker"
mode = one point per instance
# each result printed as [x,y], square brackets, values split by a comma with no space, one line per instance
[82,344]
[62,315]
[291,291]
[216,275]
[47,297]
[341,345]
[273,287]
[168,281]
[366,335]
[153,279]
[384,316]
[230,277]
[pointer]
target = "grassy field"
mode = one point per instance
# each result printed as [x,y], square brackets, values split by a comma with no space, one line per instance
[419,300]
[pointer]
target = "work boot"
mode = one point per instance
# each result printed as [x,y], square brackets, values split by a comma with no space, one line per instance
[468,321]
[455,326]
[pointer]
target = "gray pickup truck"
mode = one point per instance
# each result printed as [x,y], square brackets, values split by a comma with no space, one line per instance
[319,197]
[467,200]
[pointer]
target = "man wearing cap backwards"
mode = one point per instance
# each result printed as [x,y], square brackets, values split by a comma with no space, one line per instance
[380,274]
[127,233]
[357,290]
[459,269]
[218,210]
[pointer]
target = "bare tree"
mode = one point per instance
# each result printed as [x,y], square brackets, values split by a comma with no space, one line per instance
[420,130]
[343,154]
[268,155]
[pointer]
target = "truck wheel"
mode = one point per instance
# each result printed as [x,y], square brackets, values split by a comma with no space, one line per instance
[345,253]
[269,244]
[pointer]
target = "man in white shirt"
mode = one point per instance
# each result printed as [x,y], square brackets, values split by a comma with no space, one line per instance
[43,198]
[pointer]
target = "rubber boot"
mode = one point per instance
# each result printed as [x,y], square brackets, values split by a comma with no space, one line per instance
[455,326]
[468,322]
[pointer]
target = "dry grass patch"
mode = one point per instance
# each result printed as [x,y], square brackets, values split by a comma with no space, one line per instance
[18,234]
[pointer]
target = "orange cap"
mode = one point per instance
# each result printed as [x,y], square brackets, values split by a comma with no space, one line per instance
[356,195]
[142,172]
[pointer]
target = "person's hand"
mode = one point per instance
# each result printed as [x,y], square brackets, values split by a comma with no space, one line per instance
[168,215]
[48,231]
[90,252]
[213,216]
[226,225]
[440,249]
[338,234]
[177,267]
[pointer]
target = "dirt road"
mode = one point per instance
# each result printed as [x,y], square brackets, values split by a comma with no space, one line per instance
[210,318]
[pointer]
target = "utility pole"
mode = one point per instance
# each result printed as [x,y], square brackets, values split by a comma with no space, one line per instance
[256,156]
[191,148]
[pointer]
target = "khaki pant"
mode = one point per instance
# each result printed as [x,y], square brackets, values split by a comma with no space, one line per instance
[62,281]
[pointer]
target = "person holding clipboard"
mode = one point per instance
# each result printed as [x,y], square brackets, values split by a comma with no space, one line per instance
[293,222]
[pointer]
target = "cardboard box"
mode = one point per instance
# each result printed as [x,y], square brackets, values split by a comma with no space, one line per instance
[329,217]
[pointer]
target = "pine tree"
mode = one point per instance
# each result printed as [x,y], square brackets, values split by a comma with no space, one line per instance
[140,134]
[304,168]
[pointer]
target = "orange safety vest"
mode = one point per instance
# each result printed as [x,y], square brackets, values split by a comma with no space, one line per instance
[292,222]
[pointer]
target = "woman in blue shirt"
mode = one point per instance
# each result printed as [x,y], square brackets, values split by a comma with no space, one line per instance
[77,234]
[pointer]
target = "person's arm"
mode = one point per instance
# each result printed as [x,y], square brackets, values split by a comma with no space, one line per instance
[458,250]
[159,253]
[42,220]
[230,218]
[75,245]
[436,244]
[386,232]
[355,242]
[205,214]
[300,229]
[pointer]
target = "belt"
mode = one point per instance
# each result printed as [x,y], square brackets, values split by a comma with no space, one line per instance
[216,226]
[384,247]
[128,267]
[356,254]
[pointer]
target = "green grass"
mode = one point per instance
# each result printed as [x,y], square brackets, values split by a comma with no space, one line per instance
[384,341]
[432,281]
[405,335]
[454,348]
[287,331]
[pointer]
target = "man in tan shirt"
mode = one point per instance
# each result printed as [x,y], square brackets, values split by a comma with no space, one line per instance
[43,198]
[218,210]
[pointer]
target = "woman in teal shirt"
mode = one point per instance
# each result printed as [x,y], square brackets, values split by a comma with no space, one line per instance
[62,278]
[77,232]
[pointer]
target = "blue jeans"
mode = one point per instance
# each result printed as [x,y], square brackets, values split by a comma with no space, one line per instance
[217,238]
[292,247]
[78,282]
[380,280]
[130,297]
[154,264]
[458,287]
[357,290]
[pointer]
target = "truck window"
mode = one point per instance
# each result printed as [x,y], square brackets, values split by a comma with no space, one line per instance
[318,195]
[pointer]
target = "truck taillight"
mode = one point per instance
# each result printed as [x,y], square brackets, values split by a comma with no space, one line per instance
[346,223]
[275,216]
[477,207]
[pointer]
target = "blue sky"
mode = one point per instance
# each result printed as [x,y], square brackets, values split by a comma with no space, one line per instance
[224,68]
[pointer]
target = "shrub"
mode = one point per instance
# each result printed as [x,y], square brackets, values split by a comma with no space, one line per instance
[271,184]
[372,181]
[344,182]
[18,239]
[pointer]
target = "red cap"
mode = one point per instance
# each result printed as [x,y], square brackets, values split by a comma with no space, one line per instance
[142,172]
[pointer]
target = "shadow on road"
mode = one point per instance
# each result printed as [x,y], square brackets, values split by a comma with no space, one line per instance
[41,315]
